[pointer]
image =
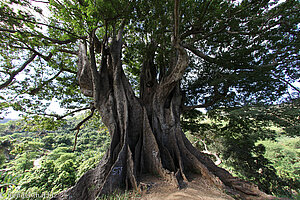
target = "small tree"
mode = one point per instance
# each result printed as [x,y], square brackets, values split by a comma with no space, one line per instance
[141,64]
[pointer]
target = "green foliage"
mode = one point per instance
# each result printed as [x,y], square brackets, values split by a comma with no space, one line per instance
[89,162]
[24,162]
[240,52]
[285,157]
[2,158]
[248,145]
[285,116]
[42,178]
[48,141]
[67,175]
[38,123]
[43,163]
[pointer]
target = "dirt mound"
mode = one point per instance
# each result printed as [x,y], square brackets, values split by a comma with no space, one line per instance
[154,188]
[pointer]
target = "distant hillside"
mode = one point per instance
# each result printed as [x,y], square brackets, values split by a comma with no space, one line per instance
[2,121]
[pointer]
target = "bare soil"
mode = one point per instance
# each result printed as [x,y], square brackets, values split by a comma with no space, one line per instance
[154,188]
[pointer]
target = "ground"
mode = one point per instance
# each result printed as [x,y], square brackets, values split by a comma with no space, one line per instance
[154,188]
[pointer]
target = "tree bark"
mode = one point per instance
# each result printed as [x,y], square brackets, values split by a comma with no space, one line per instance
[146,136]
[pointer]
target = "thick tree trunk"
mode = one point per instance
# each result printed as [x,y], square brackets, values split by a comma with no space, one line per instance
[146,136]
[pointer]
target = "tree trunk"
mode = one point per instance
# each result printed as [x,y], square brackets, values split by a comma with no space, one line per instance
[146,136]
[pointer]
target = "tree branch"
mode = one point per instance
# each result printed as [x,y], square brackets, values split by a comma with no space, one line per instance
[59,117]
[218,161]
[199,53]
[84,120]
[191,32]
[216,98]
[74,111]
[80,124]
[54,41]
[37,89]
[287,82]
[68,51]
[205,105]
[197,29]
[13,74]
[8,30]
[42,114]
[269,112]
[43,24]
[93,68]
[46,58]
[176,23]
[68,70]
[40,1]
[177,72]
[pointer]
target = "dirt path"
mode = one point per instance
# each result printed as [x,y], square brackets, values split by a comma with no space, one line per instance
[37,162]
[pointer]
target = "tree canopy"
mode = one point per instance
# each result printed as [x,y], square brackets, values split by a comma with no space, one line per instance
[240,52]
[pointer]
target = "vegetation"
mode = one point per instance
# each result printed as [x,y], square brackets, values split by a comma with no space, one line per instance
[143,66]
[43,162]
[253,143]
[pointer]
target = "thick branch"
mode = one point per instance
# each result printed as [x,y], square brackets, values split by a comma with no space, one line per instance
[59,117]
[177,72]
[13,74]
[206,151]
[176,22]
[68,51]
[56,41]
[93,68]
[7,30]
[80,123]
[116,45]
[199,53]
[74,111]
[84,120]
[84,71]
[68,70]
[287,82]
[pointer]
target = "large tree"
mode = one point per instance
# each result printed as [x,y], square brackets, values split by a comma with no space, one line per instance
[141,64]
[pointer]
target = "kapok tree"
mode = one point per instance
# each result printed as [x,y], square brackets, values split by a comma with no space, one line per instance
[141,64]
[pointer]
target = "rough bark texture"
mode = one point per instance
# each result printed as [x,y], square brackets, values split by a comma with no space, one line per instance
[146,136]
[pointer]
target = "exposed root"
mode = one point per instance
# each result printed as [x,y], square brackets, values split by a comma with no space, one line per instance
[131,181]
[197,164]
[123,166]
